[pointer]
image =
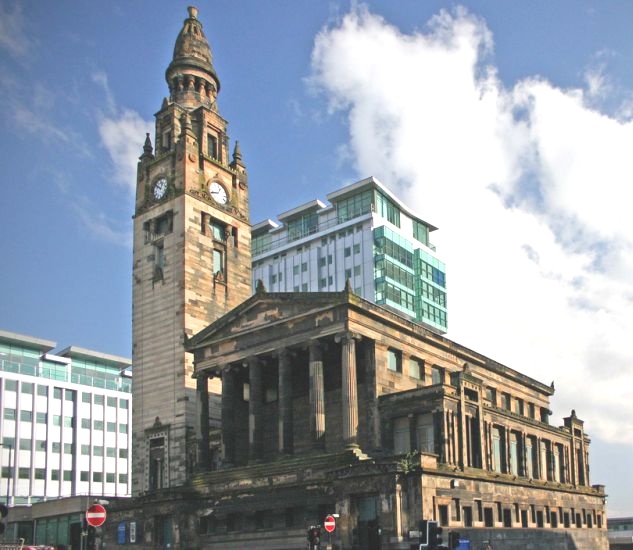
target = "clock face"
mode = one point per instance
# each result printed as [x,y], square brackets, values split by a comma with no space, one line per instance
[160,188]
[218,192]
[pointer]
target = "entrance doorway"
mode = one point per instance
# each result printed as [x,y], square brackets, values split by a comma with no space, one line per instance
[367,532]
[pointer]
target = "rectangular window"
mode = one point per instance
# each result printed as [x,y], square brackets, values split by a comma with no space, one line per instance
[9,414]
[85,450]
[68,448]
[111,401]
[98,399]
[322,261]
[394,360]
[347,252]
[111,426]
[97,477]
[40,473]
[416,368]
[357,249]
[437,375]
[25,444]
[304,287]
[85,423]
[218,262]
[356,270]
[54,475]
[348,274]
[26,416]
[304,267]
[425,433]
[505,401]
[497,450]
[42,391]
[97,450]
[40,445]
[212,146]
[110,478]
[322,282]
[84,476]
[69,395]
[295,269]
[27,387]
[69,421]
[98,425]
[329,259]
[57,420]
[123,453]
[110,452]
[23,473]
[123,403]
[122,478]
[123,428]
[85,397]
[56,447]
[401,435]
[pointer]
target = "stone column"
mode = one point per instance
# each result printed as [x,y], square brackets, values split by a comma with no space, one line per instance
[398,530]
[317,395]
[202,389]
[285,402]
[255,409]
[228,415]
[349,390]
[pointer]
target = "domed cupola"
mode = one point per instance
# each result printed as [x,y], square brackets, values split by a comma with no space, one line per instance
[190,76]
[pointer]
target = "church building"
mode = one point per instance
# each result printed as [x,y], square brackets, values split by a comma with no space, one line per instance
[258,415]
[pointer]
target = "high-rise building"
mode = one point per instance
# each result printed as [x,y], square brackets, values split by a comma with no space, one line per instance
[66,421]
[366,236]
[192,257]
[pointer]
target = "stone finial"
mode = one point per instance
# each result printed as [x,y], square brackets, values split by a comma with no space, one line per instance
[259,287]
[147,147]
[193,12]
[237,152]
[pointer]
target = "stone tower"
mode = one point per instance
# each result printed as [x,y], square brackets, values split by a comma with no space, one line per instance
[192,258]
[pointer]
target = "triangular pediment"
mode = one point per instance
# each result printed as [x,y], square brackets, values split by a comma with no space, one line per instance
[264,310]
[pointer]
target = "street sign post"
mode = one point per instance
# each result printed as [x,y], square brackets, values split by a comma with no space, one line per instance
[96,515]
[329,524]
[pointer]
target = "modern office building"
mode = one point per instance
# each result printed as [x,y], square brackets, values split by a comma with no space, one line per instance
[365,235]
[65,423]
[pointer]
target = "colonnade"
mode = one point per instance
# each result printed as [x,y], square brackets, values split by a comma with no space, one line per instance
[285,421]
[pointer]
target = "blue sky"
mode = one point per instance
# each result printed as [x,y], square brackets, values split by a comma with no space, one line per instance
[505,124]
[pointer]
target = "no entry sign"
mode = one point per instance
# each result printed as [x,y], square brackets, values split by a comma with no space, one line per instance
[96,515]
[329,524]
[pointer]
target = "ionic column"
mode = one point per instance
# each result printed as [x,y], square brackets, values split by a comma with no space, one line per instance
[228,415]
[285,402]
[202,389]
[317,395]
[349,390]
[255,409]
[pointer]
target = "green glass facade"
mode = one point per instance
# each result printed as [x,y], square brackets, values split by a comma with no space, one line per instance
[409,279]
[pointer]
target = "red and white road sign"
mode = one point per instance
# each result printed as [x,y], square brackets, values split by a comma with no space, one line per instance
[329,524]
[96,515]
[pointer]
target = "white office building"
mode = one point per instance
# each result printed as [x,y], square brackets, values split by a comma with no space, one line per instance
[366,236]
[65,422]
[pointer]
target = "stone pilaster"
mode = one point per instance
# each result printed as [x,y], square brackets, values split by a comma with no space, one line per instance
[285,402]
[228,415]
[255,409]
[317,395]
[202,389]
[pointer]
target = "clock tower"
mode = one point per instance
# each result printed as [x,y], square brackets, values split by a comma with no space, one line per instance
[192,258]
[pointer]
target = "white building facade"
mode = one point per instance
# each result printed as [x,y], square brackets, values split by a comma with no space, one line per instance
[65,423]
[366,236]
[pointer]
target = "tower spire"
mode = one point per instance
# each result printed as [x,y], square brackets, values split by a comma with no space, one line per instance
[191,78]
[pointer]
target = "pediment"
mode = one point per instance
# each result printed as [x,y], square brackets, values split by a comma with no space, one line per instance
[265,310]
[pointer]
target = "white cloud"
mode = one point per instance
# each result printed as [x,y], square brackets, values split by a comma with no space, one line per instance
[14,36]
[530,187]
[123,135]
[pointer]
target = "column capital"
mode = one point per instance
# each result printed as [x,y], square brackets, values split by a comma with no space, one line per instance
[347,336]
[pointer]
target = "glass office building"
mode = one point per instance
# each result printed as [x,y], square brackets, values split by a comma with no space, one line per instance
[65,421]
[365,235]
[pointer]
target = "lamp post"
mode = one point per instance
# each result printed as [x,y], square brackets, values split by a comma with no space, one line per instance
[10,467]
